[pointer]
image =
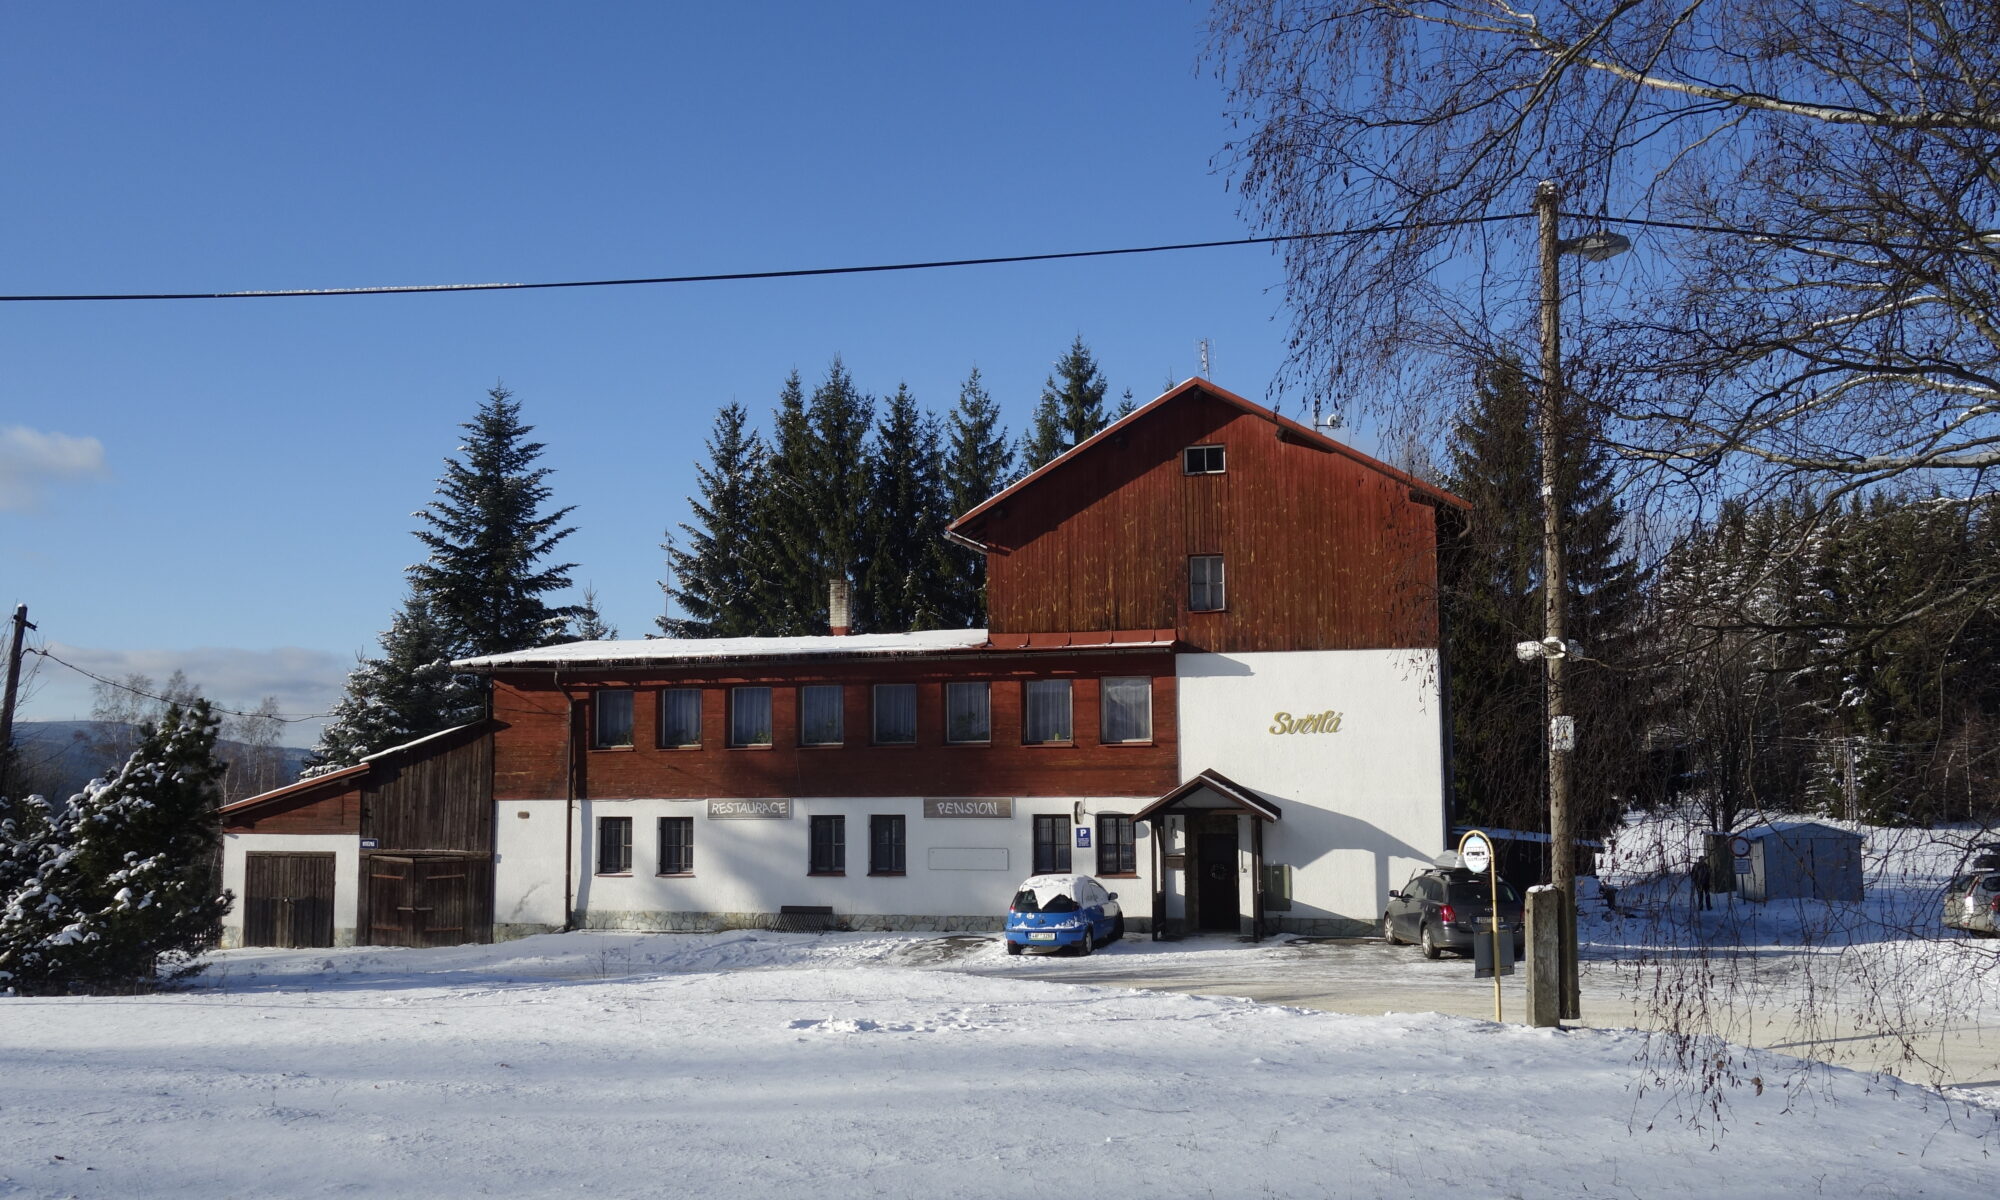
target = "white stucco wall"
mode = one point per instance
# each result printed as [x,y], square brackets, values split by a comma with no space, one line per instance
[346,851]
[955,867]
[1363,805]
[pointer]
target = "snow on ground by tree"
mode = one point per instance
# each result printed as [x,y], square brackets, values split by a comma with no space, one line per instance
[757,1064]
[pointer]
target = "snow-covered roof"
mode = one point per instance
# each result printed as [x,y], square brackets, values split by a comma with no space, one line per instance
[642,651]
[429,737]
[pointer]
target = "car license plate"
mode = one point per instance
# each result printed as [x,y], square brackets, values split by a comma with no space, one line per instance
[1041,937]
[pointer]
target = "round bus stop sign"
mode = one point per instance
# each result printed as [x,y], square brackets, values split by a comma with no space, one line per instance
[1476,852]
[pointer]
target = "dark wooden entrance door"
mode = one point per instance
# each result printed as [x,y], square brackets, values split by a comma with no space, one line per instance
[1218,905]
[287,899]
[416,901]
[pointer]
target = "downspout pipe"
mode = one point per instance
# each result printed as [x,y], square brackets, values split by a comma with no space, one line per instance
[569,808]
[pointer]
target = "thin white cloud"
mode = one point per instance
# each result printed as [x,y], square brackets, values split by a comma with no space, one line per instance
[304,681]
[30,460]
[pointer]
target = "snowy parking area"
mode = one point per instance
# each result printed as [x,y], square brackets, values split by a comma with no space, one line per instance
[758,1064]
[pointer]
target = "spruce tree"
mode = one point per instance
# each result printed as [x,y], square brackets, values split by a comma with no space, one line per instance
[409,691]
[719,580]
[487,537]
[589,624]
[842,476]
[1071,407]
[785,525]
[132,897]
[978,463]
[1491,584]
[813,522]
[908,581]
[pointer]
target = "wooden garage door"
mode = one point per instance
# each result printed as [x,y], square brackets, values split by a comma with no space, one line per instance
[426,901]
[287,899]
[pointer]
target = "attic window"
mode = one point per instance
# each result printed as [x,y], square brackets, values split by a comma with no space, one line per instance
[1203,460]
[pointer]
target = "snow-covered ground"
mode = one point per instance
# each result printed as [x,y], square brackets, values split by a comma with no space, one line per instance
[770,1065]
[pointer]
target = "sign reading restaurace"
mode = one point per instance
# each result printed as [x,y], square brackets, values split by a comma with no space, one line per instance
[778,809]
[970,806]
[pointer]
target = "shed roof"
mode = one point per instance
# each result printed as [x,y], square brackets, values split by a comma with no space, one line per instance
[346,776]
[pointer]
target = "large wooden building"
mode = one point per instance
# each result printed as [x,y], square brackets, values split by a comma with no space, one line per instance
[1211,677]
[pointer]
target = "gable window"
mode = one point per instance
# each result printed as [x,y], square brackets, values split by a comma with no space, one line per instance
[1045,716]
[1117,848]
[829,846]
[968,712]
[676,845]
[1127,710]
[614,845]
[819,714]
[1203,460]
[1052,845]
[750,716]
[885,845]
[895,714]
[680,718]
[1205,583]
[611,724]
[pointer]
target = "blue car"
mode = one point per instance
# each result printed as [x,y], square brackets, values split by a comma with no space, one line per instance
[1063,912]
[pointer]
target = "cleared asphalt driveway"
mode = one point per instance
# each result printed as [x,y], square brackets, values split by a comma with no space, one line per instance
[1366,976]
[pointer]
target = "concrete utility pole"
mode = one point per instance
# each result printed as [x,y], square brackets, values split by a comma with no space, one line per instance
[1562,837]
[21,627]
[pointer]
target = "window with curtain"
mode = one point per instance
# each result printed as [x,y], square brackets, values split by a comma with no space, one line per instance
[968,712]
[612,726]
[1045,715]
[895,714]
[750,716]
[1126,710]
[819,714]
[680,717]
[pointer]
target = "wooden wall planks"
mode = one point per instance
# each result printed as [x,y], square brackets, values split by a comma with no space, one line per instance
[1321,551]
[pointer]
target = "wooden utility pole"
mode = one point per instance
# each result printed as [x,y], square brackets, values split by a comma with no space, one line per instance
[21,627]
[1559,735]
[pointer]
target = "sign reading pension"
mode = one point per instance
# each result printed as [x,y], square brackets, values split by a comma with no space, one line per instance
[722,810]
[970,806]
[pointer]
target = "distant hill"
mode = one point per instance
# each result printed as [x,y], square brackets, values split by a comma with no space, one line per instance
[57,758]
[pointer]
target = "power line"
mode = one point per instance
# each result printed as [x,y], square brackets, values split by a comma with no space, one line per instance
[802,273]
[124,687]
[998,260]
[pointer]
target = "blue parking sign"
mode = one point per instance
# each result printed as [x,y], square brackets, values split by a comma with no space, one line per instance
[1083,837]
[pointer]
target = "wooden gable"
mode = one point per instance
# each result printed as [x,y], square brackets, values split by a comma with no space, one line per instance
[1324,548]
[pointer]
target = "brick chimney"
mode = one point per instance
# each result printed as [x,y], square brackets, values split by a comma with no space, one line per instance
[837,606]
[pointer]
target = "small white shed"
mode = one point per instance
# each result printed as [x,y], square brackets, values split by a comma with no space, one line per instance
[1798,860]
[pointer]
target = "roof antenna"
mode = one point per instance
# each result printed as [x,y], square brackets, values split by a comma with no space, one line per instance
[1202,345]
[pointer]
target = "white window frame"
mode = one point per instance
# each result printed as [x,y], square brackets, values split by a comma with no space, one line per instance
[1208,594]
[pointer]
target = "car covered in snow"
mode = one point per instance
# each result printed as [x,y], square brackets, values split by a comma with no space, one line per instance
[1063,912]
[1972,898]
[1443,908]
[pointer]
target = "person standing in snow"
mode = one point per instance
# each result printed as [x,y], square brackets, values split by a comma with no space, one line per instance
[1698,876]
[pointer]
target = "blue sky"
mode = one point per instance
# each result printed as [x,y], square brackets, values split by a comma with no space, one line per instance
[226,486]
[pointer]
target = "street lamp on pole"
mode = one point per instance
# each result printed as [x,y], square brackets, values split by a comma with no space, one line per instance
[1560,734]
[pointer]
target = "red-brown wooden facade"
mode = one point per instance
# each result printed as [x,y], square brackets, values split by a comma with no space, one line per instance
[1324,548]
[543,723]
